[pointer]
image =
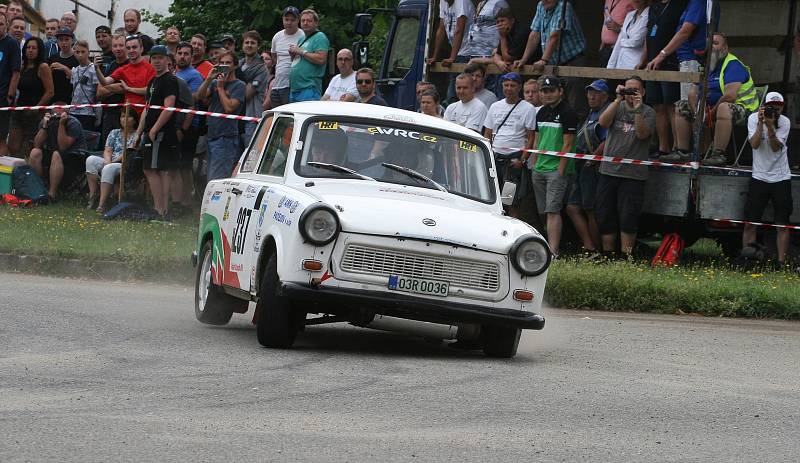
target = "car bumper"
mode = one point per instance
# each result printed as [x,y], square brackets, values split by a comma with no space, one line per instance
[416,308]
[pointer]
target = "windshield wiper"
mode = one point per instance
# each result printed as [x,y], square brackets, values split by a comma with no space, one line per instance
[414,174]
[337,168]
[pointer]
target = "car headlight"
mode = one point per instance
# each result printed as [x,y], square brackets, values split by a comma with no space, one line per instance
[530,255]
[319,224]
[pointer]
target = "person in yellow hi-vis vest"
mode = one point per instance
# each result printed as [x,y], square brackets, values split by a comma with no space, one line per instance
[731,98]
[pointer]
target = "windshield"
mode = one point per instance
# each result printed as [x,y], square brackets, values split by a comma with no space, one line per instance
[375,151]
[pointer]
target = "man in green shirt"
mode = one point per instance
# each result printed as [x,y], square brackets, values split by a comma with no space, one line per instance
[308,60]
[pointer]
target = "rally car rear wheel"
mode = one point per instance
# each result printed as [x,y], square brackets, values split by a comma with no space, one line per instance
[276,326]
[500,341]
[211,304]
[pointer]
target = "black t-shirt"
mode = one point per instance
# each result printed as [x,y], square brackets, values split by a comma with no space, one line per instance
[159,88]
[377,100]
[61,84]
[517,40]
[10,61]
[662,23]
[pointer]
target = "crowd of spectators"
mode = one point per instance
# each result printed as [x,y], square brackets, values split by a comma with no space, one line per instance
[602,200]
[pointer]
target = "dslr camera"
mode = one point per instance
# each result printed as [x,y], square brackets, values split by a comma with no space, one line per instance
[628,92]
[769,112]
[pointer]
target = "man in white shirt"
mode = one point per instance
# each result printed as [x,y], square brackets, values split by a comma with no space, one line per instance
[509,125]
[478,73]
[456,19]
[343,85]
[468,111]
[291,34]
[767,131]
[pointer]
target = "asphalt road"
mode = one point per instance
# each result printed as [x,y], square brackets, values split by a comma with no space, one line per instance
[93,371]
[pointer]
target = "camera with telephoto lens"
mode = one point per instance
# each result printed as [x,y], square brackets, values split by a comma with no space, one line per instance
[769,112]
[628,92]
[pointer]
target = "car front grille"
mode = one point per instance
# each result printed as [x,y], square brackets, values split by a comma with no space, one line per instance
[463,273]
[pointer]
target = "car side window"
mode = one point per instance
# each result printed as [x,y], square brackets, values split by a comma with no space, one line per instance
[257,146]
[274,160]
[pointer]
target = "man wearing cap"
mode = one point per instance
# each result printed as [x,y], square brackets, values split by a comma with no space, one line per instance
[62,64]
[157,129]
[290,35]
[509,125]
[308,60]
[133,76]
[620,188]
[10,67]
[731,97]
[342,86]
[468,111]
[228,42]
[102,35]
[133,19]
[589,140]
[767,131]
[215,49]
[556,126]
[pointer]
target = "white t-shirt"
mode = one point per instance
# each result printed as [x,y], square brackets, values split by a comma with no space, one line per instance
[470,114]
[487,97]
[449,15]
[280,46]
[770,166]
[513,135]
[339,87]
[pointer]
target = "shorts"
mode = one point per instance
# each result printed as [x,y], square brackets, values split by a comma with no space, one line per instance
[305,94]
[223,152]
[188,147]
[739,113]
[5,119]
[278,97]
[550,189]
[688,66]
[108,173]
[760,193]
[158,154]
[619,204]
[584,188]
[666,93]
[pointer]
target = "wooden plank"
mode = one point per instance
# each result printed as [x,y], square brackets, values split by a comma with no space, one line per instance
[585,72]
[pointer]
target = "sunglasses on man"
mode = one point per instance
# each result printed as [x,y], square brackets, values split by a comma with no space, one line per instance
[364,81]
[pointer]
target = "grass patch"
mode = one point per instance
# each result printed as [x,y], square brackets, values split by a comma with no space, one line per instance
[68,230]
[708,290]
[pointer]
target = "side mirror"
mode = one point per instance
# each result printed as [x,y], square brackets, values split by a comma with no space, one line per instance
[360,53]
[363,24]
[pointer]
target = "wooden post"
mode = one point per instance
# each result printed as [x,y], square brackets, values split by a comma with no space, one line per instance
[124,154]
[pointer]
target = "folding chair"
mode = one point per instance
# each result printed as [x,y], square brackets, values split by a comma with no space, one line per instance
[762,95]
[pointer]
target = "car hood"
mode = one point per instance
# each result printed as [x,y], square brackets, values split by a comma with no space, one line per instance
[419,213]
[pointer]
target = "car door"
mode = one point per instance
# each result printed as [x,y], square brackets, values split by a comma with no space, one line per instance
[248,196]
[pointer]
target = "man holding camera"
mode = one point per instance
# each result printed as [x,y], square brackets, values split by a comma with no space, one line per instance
[620,188]
[767,131]
[58,142]
[223,93]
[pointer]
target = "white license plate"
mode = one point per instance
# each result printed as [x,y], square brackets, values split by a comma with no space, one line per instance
[418,285]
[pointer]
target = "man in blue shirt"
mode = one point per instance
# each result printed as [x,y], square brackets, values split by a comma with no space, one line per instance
[731,98]
[189,128]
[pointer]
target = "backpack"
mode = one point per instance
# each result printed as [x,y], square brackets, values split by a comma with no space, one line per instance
[27,185]
[669,253]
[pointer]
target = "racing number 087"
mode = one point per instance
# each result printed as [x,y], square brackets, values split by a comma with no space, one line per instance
[240,232]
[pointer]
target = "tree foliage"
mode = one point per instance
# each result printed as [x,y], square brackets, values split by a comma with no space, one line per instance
[216,17]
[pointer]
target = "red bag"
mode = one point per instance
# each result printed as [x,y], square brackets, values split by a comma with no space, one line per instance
[13,201]
[669,253]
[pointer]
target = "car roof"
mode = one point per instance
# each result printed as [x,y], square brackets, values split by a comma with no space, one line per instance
[375,112]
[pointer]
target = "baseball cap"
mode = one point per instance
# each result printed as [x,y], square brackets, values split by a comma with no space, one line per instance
[549,82]
[227,37]
[291,10]
[64,31]
[159,50]
[774,98]
[215,44]
[104,29]
[511,76]
[599,85]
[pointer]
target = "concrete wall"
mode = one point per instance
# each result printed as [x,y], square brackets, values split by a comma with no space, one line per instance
[88,20]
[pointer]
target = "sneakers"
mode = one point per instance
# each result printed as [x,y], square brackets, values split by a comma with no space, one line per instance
[716,158]
[675,157]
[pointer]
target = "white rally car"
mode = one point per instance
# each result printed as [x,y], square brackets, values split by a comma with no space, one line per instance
[380,217]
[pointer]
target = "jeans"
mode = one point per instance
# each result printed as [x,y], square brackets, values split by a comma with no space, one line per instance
[223,152]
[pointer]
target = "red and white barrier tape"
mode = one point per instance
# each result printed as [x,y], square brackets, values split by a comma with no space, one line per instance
[615,159]
[66,106]
[200,113]
[758,224]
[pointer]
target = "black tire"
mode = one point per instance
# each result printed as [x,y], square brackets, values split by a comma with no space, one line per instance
[500,341]
[277,326]
[216,308]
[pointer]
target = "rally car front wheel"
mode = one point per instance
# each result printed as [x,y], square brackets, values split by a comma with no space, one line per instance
[276,324]
[211,304]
